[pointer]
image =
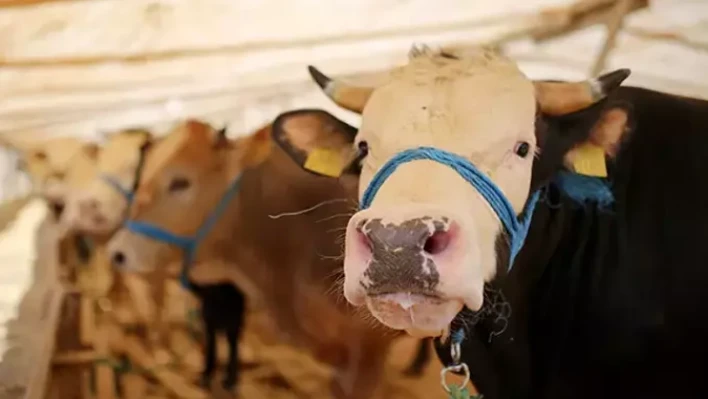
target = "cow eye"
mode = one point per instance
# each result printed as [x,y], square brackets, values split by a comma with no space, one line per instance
[361,153]
[363,148]
[522,149]
[179,184]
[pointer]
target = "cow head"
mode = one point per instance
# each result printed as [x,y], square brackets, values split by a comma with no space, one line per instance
[51,164]
[185,174]
[429,241]
[99,207]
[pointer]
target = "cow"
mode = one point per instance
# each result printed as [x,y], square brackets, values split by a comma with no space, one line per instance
[53,165]
[249,188]
[98,206]
[47,163]
[554,230]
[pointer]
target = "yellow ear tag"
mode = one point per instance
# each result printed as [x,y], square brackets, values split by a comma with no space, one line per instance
[589,160]
[325,161]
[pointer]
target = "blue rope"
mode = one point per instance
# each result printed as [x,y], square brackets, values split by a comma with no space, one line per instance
[517,229]
[578,187]
[583,189]
[457,336]
[188,244]
[113,182]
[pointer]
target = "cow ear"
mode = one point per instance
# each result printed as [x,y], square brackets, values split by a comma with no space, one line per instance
[221,140]
[317,141]
[588,156]
[582,141]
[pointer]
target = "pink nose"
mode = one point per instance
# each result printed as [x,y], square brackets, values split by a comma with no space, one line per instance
[401,256]
[424,234]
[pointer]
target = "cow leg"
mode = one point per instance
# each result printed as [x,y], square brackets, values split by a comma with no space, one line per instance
[210,328]
[361,376]
[421,359]
[233,335]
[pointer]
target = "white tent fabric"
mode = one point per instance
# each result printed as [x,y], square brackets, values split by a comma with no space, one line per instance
[79,67]
[82,67]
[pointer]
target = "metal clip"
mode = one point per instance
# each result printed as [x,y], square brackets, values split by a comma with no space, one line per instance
[457,366]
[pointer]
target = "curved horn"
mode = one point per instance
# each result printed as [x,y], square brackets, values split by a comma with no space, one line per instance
[353,98]
[559,98]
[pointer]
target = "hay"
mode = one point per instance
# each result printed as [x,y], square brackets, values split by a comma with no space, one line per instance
[117,359]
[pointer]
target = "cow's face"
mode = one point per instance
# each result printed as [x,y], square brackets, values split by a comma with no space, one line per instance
[429,241]
[185,174]
[99,207]
[52,163]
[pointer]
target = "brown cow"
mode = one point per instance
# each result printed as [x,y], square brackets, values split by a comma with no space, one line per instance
[292,257]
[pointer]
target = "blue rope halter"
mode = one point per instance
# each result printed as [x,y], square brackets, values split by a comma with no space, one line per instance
[113,182]
[188,244]
[516,228]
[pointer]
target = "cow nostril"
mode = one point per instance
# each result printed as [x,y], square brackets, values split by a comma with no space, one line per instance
[118,259]
[364,241]
[437,243]
[57,208]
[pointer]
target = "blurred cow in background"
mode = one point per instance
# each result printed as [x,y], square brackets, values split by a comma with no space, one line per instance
[47,162]
[249,189]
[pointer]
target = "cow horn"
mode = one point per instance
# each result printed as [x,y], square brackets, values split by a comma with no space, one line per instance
[353,98]
[559,98]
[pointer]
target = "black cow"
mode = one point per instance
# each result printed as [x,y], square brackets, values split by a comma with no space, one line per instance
[610,302]
[606,299]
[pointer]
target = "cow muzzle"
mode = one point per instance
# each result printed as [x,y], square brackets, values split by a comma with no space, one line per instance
[93,217]
[130,253]
[413,271]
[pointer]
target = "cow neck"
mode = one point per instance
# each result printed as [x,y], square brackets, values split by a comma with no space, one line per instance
[516,226]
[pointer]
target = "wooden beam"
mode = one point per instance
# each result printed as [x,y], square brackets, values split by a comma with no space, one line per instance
[581,15]
[134,386]
[670,37]
[105,375]
[614,24]
[74,357]
[87,329]
[265,44]
[25,3]
[139,356]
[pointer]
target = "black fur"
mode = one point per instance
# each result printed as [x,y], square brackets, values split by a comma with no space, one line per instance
[223,309]
[609,304]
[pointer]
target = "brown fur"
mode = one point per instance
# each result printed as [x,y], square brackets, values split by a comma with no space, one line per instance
[294,261]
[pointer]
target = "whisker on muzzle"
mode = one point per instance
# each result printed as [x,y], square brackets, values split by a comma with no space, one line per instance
[338,215]
[310,209]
